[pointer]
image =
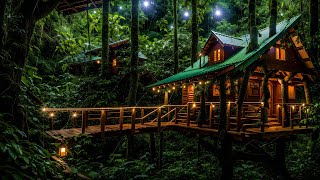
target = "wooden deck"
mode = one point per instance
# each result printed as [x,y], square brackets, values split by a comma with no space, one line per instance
[119,121]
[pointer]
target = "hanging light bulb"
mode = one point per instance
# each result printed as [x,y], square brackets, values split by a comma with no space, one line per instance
[173,88]
[169,91]
[44,109]
[74,115]
[292,107]
[158,90]
[153,89]
[51,114]
[194,105]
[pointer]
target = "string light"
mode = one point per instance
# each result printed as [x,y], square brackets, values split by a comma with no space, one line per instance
[146,3]
[158,90]
[153,89]
[98,62]
[74,115]
[173,88]
[44,109]
[51,114]
[194,105]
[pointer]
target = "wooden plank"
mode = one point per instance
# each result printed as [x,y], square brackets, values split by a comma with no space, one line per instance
[121,118]
[84,121]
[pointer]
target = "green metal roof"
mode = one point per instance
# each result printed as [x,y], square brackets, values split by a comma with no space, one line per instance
[230,40]
[240,60]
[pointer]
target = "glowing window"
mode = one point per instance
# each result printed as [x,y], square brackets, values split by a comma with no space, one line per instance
[280,54]
[218,58]
[114,63]
[215,56]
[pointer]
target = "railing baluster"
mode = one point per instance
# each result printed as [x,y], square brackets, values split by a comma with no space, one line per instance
[121,118]
[84,121]
[133,119]
[103,120]
[262,118]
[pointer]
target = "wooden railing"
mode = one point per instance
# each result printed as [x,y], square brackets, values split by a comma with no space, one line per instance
[250,116]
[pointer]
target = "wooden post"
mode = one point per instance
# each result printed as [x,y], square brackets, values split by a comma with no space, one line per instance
[228,116]
[159,118]
[152,147]
[291,116]
[238,118]
[121,118]
[142,115]
[160,149]
[188,114]
[133,120]
[211,120]
[103,120]
[278,114]
[166,98]
[84,121]
[262,118]
[176,115]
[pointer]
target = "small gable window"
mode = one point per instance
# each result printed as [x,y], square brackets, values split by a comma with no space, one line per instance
[280,54]
[217,55]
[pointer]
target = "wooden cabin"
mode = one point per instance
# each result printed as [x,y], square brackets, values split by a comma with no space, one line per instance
[119,50]
[282,54]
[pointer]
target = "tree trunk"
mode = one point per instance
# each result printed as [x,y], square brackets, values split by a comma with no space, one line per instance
[134,53]
[253,27]
[175,37]
[280,160]
[241,96]
[285,97]
[273,17]
[17,47]
[3,4]
[314,28]
[105,66]
[194,51]
[307,93]
[266,94]
[223,107]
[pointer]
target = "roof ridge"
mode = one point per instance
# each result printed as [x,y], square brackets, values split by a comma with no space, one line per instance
[215,32]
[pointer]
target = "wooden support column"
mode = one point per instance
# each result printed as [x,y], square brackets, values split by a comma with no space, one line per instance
[262,117]
[166,98]
[142,115]
[211,119]
[226,159]
[159,118]
[84,121]
[266,94]
[188,114]
[278,110]
[103,120]
[243,86]
[228,115]
[133,120]
[160,149]
[152,147]
[121,118]
[176,115]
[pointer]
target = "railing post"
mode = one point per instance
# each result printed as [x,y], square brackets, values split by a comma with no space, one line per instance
[176,115]
[291,116]
[278,113]
[133,119]
[51,122]
[84,121]
[103,120]
[238,118]
[142,114]
[188,114]
[283,115]
[211,122]
[262,118]
[228,116]
[121,118]
[159,118]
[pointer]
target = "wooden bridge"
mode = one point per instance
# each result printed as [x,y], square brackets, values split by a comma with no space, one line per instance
[117,121]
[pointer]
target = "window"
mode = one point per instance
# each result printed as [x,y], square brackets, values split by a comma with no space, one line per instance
[280,54]
[216,55]
[291,92]
[254,89]
[114,62]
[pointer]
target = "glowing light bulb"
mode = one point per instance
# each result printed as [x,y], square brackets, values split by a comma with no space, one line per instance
[51,114]
[186,14]
[184,86]
[303,104]
[213,105]
[292,107]
[146,3]
[218,13]
[169,91]
[158,90]
[194,105]
[120,7]
[200,82]
[153,89]
[44,109]
[74,115]
[173,88]
[98,62]
[94,12]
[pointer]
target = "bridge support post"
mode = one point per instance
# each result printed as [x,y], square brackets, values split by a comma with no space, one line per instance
[152,147]
[160,150]
[103,120]
[84,121]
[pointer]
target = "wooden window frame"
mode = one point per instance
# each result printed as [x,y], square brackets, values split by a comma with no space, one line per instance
[280,54]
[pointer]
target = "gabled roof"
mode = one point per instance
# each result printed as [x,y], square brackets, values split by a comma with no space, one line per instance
[229,40]
[240,60]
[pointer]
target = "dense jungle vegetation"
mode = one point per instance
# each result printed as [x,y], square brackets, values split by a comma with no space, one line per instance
[47,80]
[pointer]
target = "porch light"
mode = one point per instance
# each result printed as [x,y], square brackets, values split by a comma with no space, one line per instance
[74,115]
[153,89]
[292,107]
[98,62]
[44,109]
[213,105]
[200,82]
[278,105]
[51,114]
[173,88]
[158,90]
[262,103]
[63,151]
[184,86]
[194,105]
[169,91]
[303,104]
[208,82]
[229,102]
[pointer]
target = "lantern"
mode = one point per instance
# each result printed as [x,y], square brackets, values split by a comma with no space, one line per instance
[63,151]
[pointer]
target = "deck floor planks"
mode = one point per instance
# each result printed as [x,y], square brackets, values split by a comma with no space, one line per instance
[153,126]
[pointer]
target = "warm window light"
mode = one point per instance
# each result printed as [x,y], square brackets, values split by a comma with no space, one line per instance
[114,62]
[51,114]
[62,151]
